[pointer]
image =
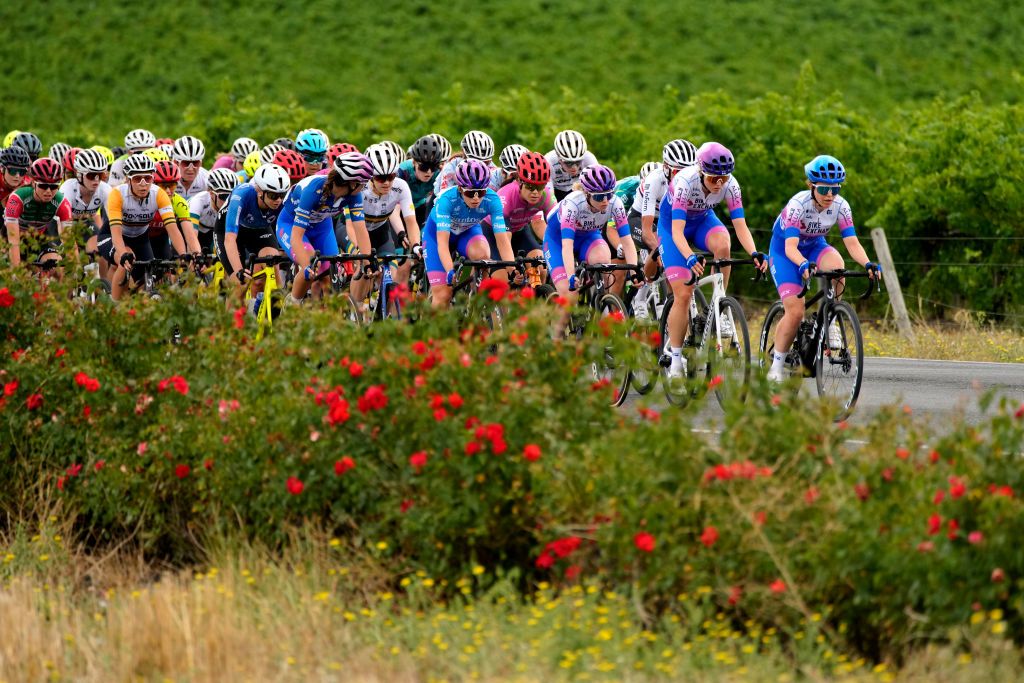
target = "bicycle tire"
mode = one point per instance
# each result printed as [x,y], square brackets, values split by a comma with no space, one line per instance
[840,372]
[732,360]
[766,345]
[616,370]
[645,369]
[678,392]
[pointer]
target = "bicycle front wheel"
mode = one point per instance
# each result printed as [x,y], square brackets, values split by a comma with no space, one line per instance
[840,360]
[729,356]
[679,388]
[612,365]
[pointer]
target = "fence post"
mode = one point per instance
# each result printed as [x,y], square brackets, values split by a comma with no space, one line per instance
[892,283]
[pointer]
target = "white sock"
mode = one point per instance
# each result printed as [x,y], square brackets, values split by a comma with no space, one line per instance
[677,355]
[778,358]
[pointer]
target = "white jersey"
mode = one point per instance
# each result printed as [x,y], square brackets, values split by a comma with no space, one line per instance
[200,208]
[446,178]
[117,176]
[801,218]
[561,178]
[576,215]
[688,194]
[82,210]
[198,185]
[650,192]
[377,208]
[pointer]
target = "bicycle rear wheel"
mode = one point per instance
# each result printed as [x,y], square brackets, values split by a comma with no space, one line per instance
[730,360]
[766,346]
[644,365]
[679,390]
[840,361]
[610,365]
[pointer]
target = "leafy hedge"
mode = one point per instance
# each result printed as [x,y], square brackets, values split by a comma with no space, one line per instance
[442,446]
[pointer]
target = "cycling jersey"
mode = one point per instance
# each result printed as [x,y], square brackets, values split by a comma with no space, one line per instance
[451,214]
[446,177]
[421,192]
[575,215]
[307,207]
[117,176]
[518,214]
[198,185]
[627,190]
[82,210]
[179,206]
[244,210]
[200,209]
[377,208]
[649,194]
[35,216]
[224,161]
[800,218]
[690,199]
[561,179]
[134,214]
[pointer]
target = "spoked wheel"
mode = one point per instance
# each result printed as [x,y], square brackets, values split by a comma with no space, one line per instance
[766,346]
[679,389]
[644,366]
[729,359]
[840,361]
[611,366]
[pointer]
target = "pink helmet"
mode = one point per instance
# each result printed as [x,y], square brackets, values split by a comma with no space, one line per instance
[472,175]
[597,179]
[715,159]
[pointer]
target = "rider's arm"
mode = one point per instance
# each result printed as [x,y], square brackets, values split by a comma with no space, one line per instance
[734,201]
[63,217]
[408,211]
[231,230]
[173,228]
[115,216]
[13,211]
[357,228]
[498,227]
[567,228]
[849,233]
[622,230]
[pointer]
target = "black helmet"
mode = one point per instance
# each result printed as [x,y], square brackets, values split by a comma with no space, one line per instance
[15,157]
[28,142]
[427,150]
[287,143]
[118,151]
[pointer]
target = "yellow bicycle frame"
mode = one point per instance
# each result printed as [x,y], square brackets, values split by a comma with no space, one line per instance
[265,314]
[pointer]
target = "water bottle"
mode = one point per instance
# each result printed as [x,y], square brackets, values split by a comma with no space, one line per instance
[256,303]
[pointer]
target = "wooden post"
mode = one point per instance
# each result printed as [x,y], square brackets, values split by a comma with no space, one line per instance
[892,283]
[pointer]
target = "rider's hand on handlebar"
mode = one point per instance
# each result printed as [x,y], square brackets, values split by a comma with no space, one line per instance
[449,279]
[874,270]
[760,260]
[695,264]
[126,258]
[573,284]
[242,275]
[805,270]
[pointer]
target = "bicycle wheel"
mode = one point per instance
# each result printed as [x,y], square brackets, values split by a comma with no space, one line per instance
[644,366]
[611,367]
[678,390]
[731,359]
[840,360]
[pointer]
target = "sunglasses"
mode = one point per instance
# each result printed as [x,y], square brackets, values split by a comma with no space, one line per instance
[93,176]
[570,164]
[715,179]
[53,187]
[222,196]
[17,171]
[273,196]
[314,158]
[427,168]
[141,178]
[473,194]
[601,196]
[530,187]
[385,178]
[826,190]
[192,164]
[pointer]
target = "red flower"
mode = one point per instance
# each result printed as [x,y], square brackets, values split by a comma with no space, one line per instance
[440,414]
[563,547]
[902,453]
[455,401]
[373,398]
[74,470]
[405,505]
[887,474]
[952,527]
[644,541]
[925,547]
[99,465]
[957,488]
[715,381]
[418,460]
[344,465]
[59,352]
[338,410]
[6,298]
[649,414]
[355,369]
[776,400]
[1020,412]
[472,421]
[998,575]
[17,354]
[735,593]
[141,448]
[10,387]
[60,483]
[760,517]
[975,537]
[933,456]
[777,586]
[34,401]
[208,464]
[240,318]
[176,382]
[86,411]
[572,571]
[600,384]
[709,536]
[940,496]
[498,446]
[545,561]
[88,383]
[494,288]
[1004,491]
[527,293]
[811,495]
[472,447]
[490,360]
[862,490]
[399,291]
[419,348]
[531,452]
[934,524]
[182,471]
[294,485]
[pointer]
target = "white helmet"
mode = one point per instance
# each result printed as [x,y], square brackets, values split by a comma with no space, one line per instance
[646,169]
[140,138]
[509,157]
[383,159]
[446,147]
[679,153]
[188,148]
[90,161]
[271,178]
[58,150]
[396,148]
[570,146]
[139,164]
[353,166]
[167,149]
[222,180]
[243,147]
[268,152]
[478,145]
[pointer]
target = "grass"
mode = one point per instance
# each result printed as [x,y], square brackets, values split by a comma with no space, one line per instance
[318,611]
[936,341]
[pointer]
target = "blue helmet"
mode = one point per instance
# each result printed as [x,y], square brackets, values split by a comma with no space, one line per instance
[825,169]
[311,141]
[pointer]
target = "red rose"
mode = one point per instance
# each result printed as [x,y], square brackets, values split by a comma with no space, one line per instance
[862,490]
[355,369]
[373,398]
[6,298]
[715,381]
[644,541]
[455,401]
[294,485]
[563,547]
[957,488]
[344,465]
[934,524]
[531,452]
[34,401]
[239,318]
[418,460]
[472,447]
[709,536]
[545,561]
[182,471]
[572,571]
[975,537]
[777,586]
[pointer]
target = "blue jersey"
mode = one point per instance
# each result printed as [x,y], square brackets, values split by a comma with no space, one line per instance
[450,213]
[244,211]
[307,207]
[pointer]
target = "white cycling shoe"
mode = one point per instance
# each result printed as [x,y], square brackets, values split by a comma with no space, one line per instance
[776,375]
[835,336]
[677,371]
[727,329]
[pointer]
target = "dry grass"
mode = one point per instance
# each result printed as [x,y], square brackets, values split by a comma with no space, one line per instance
[964,340]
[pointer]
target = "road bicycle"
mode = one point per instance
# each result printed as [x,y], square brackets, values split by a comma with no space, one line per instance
[829,345]
[266,303]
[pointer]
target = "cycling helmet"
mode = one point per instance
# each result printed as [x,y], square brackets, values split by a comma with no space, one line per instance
[533,168]
[509,157]
[243,147]
[28,142]
[647,168]
[287,143]
[327,140]
[140,138]
[383,159]
[58,150]
[15,157]
[427,150]
[166,149]
[166,172]
[597,179]
[68,162]
[477,145]
[446,147]
[9,138]
[271,178]
[311,141]
[88,161]
[46,170]
[188,148]
[156,155]
[160,142]
[117,150]
[339,148]
[472,175]
[715,159]
[353,166]
[825,169]
[570,146]
[395,148]
[252,164]
[292,162]
[222,180]
[139,164]
[107,153]
[267,153]
[679,153]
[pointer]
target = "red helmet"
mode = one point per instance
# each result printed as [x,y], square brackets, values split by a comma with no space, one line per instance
[166,172]
[337,149]
[46,170]
[291,161]
[69,160]
[164,141]
[534,169]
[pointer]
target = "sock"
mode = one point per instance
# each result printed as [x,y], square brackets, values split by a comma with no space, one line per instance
[677,355]
[778,358]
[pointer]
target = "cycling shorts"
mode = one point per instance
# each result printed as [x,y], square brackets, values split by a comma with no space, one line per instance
[456,243]
[582,246]
[786,273]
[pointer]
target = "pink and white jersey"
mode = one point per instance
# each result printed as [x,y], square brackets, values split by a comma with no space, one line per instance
[576,215]
[82,210]
[446,178]
[690,200]
[561,179]
[801,218]
[518,213]
[378,207]
[650,192]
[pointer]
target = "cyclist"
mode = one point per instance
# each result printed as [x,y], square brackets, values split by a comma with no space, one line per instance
[138,140]
[131,207]
[676,155]
[251,165]
[109,155]
[525,202]
[420,171]
[188,152]
[28,142]
[15,162]
[627,190]
[39,211]
[240,149]
[798,240]
[306,226]
[249,222]
[335,150]
[454,226]
[87,194]
[575,227]
[568,159]
[58,151]
[181,235]
[206,207]
[312,144]
[475,145]
[508,159]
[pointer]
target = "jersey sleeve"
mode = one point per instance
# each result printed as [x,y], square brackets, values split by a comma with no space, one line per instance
[180,207]
[618,215]
[845,221]
[405,204]
[792,219]
[680,202]
[234,209]
[63,213]
[195,207]
[568,220]
[355,207]
[496,212]
[164,208]
[734,199]
[443,212]
[115,208]
[650,187]
[15,207]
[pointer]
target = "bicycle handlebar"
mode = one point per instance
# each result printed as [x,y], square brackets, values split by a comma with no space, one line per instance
[839,274]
